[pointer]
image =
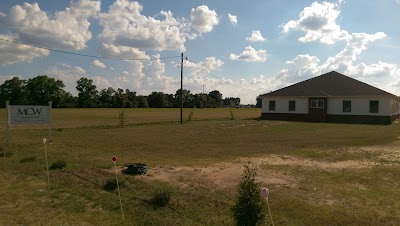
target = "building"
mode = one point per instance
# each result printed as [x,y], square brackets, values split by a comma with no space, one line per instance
[331,97]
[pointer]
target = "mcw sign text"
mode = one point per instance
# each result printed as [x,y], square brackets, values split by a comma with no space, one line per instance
[25,114]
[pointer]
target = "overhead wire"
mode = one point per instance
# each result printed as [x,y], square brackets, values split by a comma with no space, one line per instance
[86,55]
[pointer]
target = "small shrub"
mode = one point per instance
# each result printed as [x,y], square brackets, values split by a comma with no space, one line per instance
[5,154]
[249,205]
[191,115]
[161,197]
[58,165]
[28,159]
[231,115]
[111,185]
[121,118]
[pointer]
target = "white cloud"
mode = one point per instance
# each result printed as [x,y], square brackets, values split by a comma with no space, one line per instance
[398,2]
[256,36]
[125,29]
[203,19]
[319,23]
[97,63]
[110,50]
[68,29]
[68,74]
[249,54]
[233,19]
[211,63]
[13,53]
[382,75]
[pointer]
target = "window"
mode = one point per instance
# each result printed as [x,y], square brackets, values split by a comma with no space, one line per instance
[317,103]
[292,105]
[347,106]
[271,105]
[374,106]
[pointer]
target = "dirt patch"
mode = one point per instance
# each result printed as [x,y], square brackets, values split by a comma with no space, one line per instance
[228,174]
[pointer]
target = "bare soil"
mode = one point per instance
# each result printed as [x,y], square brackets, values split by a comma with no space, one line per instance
[228,174]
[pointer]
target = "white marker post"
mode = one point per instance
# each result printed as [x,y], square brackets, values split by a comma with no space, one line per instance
[47,164]
[265,193]
[114,159]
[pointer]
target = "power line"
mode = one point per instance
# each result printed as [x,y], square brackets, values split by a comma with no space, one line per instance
[209,72]
[85,55]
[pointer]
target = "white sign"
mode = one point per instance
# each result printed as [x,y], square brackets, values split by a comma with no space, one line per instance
[29,114]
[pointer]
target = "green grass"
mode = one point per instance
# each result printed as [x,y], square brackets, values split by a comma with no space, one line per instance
[87,139]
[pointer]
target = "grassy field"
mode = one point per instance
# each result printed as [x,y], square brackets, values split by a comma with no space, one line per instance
[317,174]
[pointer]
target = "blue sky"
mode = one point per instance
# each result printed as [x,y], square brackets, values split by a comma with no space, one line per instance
[242,49]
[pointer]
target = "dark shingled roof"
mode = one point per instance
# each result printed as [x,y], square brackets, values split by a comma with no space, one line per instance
[331,84]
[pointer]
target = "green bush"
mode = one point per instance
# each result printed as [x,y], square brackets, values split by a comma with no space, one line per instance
[231,115]
[249,206]
[161,197]
[121,118]
[28,159]
[190,115]
[111,184]
[58,165]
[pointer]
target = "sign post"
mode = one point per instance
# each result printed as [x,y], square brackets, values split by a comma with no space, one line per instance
[114,159]
[47,163]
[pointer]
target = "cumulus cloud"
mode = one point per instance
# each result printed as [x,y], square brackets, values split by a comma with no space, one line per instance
[256,36]
[13,53]
[319,23]
[68,29]
[346,62]
[203,19]
[249,54]
[126,30]
[97,63]
[233,19]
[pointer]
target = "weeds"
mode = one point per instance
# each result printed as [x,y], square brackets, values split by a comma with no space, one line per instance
[190,115]
[121,118]
[161,197]
[28,159]
[231,115]
[111,185]
[58,165]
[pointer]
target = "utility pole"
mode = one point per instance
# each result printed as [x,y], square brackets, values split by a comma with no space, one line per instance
[181,87]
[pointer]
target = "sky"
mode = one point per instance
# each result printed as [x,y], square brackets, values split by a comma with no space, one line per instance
[240,48]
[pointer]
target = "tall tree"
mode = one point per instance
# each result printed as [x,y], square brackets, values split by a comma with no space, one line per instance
[158,100]
[215,98]
[43,89]
[87,93]
[106,97]
[259,102]
[13,90]
[188,100]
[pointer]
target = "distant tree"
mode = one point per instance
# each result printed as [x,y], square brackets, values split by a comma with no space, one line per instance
[259,102]
[215,99]
[131,101]
[106,97]
[158,100]
[231,101]
[87,93]
[142,102]
[68,101]
[43,89]
[13,90]
[188,99]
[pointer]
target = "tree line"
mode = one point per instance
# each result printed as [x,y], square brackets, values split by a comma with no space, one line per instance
[42,89]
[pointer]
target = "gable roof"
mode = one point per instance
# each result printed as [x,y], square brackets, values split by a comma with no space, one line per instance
[330,84]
